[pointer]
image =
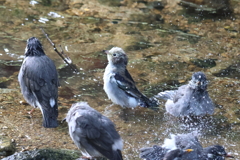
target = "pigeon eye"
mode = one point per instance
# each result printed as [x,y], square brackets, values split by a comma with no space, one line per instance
[114,54]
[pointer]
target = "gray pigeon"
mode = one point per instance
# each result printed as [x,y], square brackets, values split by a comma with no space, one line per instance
[183,147]
[119,85]
[94,134]
[38,80]
[190,99]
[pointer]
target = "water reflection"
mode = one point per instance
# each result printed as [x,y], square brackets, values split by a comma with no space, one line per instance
[163,52]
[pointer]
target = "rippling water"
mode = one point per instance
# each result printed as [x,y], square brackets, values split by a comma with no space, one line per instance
[164,46]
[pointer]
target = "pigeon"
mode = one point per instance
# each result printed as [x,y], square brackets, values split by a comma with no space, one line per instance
[183,147]
[190,99]
[38,79]
[94,134]
[119,84]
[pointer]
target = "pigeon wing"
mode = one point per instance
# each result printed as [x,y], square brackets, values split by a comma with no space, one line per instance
[125,82]
[40,77]
[98,133]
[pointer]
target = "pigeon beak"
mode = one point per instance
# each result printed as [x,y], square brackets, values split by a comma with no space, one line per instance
[106,51]
[189,150]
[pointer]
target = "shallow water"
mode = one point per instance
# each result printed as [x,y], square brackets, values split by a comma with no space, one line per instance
[164,48]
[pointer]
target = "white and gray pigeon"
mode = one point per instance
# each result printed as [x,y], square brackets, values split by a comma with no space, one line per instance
[189,99]
[120,86]
[94,134]
[39,83]
[184,147]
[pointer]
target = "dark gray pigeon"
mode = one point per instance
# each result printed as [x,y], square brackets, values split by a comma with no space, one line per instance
[38,80]
[190,99]
[215,152]
[119,84]
[94,134]
[183,147]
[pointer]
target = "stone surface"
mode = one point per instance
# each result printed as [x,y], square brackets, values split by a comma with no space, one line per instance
[207,6]
[45,154]
[7,147]
[203,63]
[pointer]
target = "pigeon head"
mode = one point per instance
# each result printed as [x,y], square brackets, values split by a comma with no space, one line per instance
[216,152]
[34,47]
[198,81]
[117,56]
[74,108]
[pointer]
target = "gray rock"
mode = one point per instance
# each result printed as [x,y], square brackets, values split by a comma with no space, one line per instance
[45,154]
[7,147]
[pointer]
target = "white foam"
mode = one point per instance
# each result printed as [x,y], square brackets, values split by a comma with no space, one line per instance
[170,143]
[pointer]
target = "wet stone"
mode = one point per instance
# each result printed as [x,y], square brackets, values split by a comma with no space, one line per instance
[49,154]
[231,71]
[111,2]
[204,63]
[147,17]
[159,5]
[6,90]
[7,147]
[207,6]
[138,46]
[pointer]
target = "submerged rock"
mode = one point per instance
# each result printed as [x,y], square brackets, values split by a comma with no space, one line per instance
[232,71]
[204,63]
[46,154]
[159,4]
[7,147]
[111,2]
[207,6]
[138,46]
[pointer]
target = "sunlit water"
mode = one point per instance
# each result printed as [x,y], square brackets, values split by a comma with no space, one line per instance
[162,55]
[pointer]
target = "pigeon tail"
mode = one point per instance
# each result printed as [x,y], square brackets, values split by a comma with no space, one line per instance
[150,103]
[117,155]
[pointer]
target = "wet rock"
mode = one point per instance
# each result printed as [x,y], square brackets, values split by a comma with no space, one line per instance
[46,2]
[182,35]
[77,5]
[138,46]
[207,6]
[111,2]
[7,68]
[230,68]
[65,92]
[148,18]
[159,5]
[46,154]
[232,71]
[6,90]
[7,147]
[203,63]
